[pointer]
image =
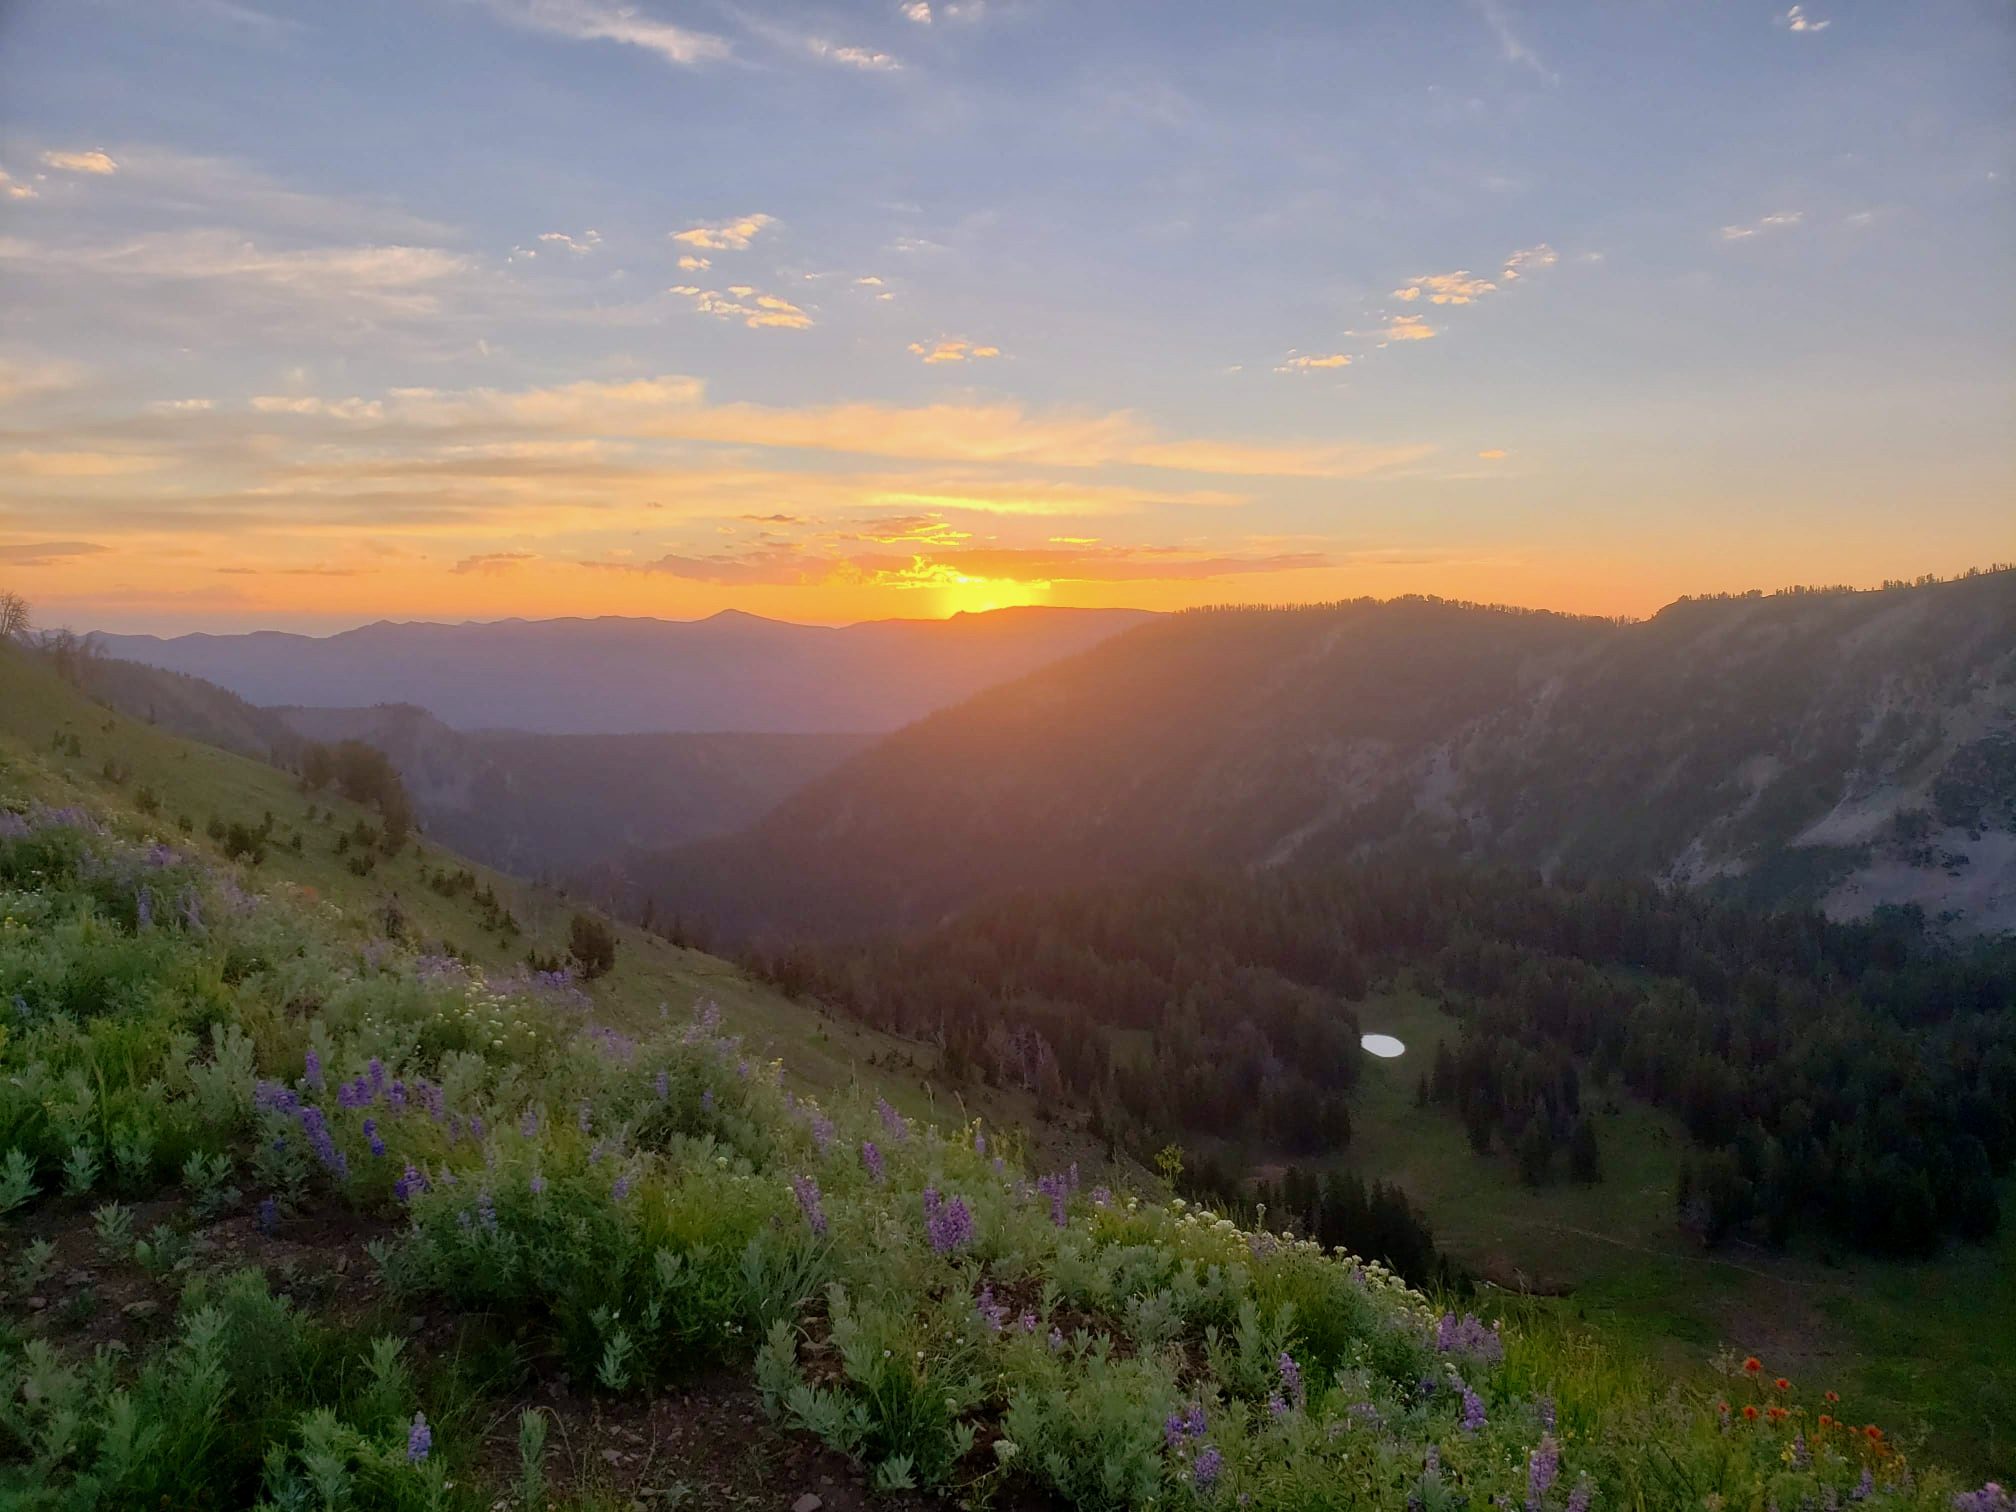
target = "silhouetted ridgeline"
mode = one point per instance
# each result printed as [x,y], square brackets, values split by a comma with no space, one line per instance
[1840,749]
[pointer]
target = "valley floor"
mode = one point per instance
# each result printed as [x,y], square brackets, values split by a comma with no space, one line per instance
[1932,1343]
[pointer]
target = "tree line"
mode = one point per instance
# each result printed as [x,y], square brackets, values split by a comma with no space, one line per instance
[1853,1079]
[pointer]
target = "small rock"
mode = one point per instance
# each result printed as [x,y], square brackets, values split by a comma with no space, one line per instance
[612,1456]
[36,1304]
[807,1503]
[78,1278]
[144,1308]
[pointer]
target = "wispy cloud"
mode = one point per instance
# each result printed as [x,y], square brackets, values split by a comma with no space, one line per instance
[688,263]
[1498,16]
[1308,362]
[918,11]
[12,188]
[725,236]
[581,246]
[851,57]
[93,162]
[46,553]
[745,303]
[1529,260]
[1783,220]
[1796,20]
[951,351]
[1408,328]
[1458,288]
[494,563]
[385,274]
[593,21]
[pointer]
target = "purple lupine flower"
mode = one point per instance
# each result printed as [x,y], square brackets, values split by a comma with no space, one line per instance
[396,1094]
[891,1120]
[1027,1322]
[537,1184]
[1802,1457]
[621,1189]
[1431,1463]
[1057,1188]
[1470,1338]
[1102,1197]
[948,1222]
[662,1085]
[1210,1464]
[991,1312]
[807,1191]
[1864,1488]
[486,1212]
[1056,1338]
[979,1143]
[312,1072]
[871,1158]
[1990,1498]
[409,1184]
[823,1132]
[419,1440]
[269,1216]
[1473,1411]
[586,1116]
[316,1127]
[528,1123]
[1277,1408]
[1582,1495]
[1542,1466]
[371,1134]
[1291,1380]
[1183,1425]
[375,1069]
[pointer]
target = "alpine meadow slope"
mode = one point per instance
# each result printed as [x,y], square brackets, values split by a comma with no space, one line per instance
[333,1216]
[1829,747]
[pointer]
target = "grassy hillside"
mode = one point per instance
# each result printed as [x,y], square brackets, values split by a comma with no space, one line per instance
[1838,747]
[301,1214]
[122,763]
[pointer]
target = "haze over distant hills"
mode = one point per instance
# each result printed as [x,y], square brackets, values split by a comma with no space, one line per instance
[541,805]
[731,672]
[1835,747]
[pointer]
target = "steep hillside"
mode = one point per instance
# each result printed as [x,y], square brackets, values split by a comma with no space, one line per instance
[301,1213]
[1854,747]
[732,671]
[58,747]
[545,805]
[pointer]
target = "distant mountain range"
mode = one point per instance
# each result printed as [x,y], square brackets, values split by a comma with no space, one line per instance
[536,805]
[732,672]
[544,805]
[1841,748]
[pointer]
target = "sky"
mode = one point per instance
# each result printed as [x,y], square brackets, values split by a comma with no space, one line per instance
[318,314]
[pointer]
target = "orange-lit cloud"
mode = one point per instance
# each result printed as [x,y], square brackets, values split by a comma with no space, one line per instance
[92,162]
[725,236]
[1308,363]
[1408,328]
[951,351]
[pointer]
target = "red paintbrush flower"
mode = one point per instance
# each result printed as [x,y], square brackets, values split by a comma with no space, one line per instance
[1753,1365]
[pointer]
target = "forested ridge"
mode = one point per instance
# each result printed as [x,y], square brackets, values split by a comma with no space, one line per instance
[1852,1079]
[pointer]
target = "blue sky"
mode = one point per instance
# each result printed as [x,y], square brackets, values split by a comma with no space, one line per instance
[457,308]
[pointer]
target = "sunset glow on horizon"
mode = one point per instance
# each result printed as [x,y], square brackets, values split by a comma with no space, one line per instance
[833,313]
